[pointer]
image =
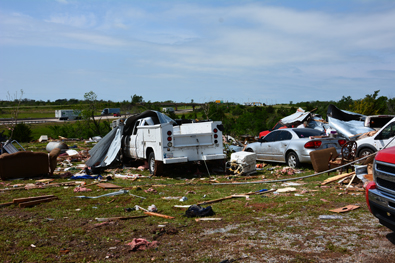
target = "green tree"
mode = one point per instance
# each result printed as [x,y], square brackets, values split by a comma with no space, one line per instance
[17,99]
[371,105]
[88,111]
[136,99]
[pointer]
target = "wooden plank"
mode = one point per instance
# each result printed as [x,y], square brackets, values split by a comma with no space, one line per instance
[6,204]
[108,186]
[352,179]
[119,218]
[159,215]
[28,199]
[33,203]
[335,178]
[207,219]
[261,193]
[214,201]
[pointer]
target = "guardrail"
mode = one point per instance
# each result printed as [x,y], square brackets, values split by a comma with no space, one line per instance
[24,121]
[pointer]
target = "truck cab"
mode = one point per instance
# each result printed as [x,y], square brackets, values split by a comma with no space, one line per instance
[378,141]
[380,194]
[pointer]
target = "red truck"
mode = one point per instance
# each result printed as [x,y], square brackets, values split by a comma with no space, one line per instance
[380,194]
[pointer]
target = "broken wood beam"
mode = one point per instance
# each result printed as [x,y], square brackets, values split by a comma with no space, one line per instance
[159,215]
[6,204]
[208,219]
[214,201]
[118,218]
[28,199]
[335,178]
[33,203]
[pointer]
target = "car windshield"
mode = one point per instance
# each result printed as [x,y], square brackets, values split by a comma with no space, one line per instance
[305,133]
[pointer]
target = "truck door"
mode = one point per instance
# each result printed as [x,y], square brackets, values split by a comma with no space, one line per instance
[385,136]
[133,140]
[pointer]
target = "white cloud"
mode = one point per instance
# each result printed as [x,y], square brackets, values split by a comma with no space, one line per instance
[62,1]
[80,21]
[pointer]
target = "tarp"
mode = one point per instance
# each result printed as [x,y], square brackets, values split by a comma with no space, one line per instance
[342,115]
[114,148]
[99,151]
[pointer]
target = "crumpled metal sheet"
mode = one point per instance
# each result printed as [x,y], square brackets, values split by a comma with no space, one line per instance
[299,116]
[114,148]
[348,128]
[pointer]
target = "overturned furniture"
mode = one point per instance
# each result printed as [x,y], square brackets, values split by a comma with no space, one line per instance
[319,158]
[347,155]
[8,147]
[27,164]
[241,163]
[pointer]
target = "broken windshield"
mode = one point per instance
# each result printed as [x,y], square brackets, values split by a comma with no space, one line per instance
[164,118]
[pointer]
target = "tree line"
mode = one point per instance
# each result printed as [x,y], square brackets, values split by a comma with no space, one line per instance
[237,119]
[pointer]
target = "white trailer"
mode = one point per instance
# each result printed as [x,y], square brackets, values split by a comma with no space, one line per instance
[67,114]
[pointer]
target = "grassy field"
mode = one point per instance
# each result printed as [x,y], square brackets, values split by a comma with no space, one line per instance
[282,227]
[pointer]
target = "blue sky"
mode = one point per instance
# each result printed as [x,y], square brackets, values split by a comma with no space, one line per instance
[267,51]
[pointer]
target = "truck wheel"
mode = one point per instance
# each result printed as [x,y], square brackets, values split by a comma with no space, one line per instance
[155,167]
[293,160]
[365,151]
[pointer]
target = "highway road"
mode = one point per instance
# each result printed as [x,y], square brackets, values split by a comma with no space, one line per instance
[44,120]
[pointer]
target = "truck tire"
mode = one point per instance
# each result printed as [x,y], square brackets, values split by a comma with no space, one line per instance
[155,167]
[293,160]
[365,151]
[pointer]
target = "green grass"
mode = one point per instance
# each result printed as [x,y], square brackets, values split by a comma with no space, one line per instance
[75,230]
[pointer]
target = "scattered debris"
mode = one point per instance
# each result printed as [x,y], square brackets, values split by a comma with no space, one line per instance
[208,219]
[286,190]
[118,218]
[198,211]
[141,244]
[337,177]
[329,217]
[108,186]
[159,215]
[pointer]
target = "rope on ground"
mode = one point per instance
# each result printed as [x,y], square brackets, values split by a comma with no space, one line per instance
[297,178]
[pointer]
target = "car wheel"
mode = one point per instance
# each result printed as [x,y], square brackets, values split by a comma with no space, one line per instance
[365,151]
[293,160]
[155,167]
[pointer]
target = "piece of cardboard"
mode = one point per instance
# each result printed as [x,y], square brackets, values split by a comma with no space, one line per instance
[345,209]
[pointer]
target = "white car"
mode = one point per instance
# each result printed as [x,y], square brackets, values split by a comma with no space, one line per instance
[377,142]
[292,145]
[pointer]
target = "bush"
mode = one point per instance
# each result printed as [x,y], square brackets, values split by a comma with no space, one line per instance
[78,129]
[22,133]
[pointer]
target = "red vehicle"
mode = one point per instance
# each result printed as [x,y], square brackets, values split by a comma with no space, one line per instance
[380,194]
[117,114]
[278,125]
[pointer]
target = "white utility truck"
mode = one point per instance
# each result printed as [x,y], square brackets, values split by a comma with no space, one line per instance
[160,140]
